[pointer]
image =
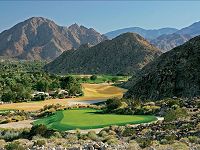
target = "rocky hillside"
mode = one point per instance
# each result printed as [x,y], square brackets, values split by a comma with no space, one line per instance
[170,41]
[41,39]
[125,54]
[147,34]
[174,73]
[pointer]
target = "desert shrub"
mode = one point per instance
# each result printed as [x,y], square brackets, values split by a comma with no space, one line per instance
[24,142]
[113,141]
[150,109]
[170,138]
[198,126]
[128,132]
[83,137]
[40,142]
[184,140]
[169,127]
[71,138]
[198,104]
[170,102]
[179,146]
[10,135]
[175,114]
[163,141]
[133,145]
[144,142]
[93,136]
[2,144]
[120,130]
[40,130]
[111,132]
[110,139]
[103,133]
[14,146]
[57,134]
[194,139]
[113,127]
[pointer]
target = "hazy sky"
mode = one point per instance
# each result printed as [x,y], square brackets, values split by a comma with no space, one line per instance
[103,16]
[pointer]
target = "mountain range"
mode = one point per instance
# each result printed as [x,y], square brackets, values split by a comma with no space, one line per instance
[38,38]
[164,38]
[170,41]
[42,39]
[147,34]
[125,54]
[174,73]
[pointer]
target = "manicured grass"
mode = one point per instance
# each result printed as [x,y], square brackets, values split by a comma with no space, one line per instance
[89,119]
[100,78]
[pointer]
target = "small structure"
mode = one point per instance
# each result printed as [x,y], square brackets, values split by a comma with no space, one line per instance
[40,93]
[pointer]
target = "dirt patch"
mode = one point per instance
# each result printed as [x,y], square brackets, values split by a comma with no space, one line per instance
[17,125]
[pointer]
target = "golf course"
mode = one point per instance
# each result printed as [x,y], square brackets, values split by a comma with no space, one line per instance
[92,92]
[89,119]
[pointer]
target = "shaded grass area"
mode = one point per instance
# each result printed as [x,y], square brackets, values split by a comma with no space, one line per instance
[101,78]
[90,119]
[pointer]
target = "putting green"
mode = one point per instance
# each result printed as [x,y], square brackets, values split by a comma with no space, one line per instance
[89,119]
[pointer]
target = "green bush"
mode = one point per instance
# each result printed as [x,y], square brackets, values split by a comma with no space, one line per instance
[113,103]
[93,77]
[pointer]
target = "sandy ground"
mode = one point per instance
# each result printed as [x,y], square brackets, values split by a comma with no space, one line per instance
[17,125]
[92,92]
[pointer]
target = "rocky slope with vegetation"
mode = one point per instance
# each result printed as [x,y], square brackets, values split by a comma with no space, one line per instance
[181,123]
[125,54]
[175,73]
[42,39]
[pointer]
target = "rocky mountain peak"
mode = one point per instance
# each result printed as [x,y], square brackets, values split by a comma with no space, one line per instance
[38,38]
[125,54]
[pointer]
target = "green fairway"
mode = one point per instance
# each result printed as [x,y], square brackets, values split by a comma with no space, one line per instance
[89,119]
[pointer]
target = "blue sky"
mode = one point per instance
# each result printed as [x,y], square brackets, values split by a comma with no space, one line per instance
[103,16]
